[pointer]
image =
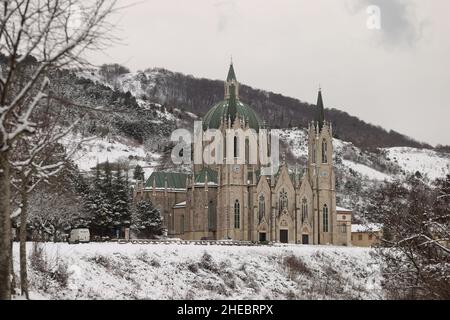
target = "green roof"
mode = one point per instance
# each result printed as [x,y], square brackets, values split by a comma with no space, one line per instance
[206,172]
[231,73]
[174,180]
[223,109]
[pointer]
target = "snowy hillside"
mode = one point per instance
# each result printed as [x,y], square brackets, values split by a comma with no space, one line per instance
[408,160]
[432,163]
[145,271]
[99,150]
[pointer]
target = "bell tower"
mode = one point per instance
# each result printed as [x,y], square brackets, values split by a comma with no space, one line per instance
[321,175]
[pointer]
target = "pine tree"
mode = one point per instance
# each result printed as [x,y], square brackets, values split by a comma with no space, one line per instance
[147,220]
[106,182]
[120,201]
[138,173]
[97,204]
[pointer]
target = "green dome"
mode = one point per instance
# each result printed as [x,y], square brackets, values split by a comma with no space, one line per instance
[222,110]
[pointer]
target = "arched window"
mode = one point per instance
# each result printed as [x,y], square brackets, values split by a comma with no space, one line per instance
[325,218]
[262,207]
[211,216]
[283,201]
[304,210]
[247,151]
[236,147]
[314,153]
[324,151]
[237,215]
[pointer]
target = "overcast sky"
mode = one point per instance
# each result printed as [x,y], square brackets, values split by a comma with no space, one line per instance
[397,77]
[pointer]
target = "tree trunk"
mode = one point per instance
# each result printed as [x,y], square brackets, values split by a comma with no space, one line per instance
[5,229]
[13,275]
[23,239]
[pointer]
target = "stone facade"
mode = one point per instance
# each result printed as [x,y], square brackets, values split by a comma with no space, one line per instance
[234,201]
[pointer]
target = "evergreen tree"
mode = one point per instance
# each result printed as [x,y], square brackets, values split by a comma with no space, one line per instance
[120,201]
[106,182]
[147,220]
[138,173]
[98,205]
[84,218]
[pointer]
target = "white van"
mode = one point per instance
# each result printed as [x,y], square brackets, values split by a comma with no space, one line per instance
[80,235]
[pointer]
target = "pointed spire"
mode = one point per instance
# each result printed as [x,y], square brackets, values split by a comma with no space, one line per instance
[320,114]
[231,74]
[232,103]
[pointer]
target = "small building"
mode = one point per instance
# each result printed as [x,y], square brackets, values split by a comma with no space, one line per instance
[366,235]
[344,221]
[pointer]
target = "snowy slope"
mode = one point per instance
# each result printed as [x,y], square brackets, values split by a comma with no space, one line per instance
[98,150]
[149,271]
[430,162]
[296,139]
[366,171]
[141,83]
[93,75]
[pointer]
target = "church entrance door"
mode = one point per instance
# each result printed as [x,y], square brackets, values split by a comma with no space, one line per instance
[284,236]
[262,236]
[305,239]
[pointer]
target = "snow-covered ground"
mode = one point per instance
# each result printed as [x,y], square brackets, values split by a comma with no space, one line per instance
[176,271]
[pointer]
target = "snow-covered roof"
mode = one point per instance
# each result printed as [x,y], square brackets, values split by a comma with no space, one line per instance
[343,209]
[180,205]
[369,227]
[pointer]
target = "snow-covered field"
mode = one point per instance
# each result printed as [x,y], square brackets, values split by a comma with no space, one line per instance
[176,271]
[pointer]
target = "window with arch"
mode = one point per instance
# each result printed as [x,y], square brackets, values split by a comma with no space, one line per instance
[314,153]
[236,147]
[237,214]
[283,201]
[304,209]
[324,151]
[247,151]
[211,215]
[262,207]
[325,218]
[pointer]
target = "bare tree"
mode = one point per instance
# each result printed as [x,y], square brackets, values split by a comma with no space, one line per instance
[37,158]
[57,33]
[416,238]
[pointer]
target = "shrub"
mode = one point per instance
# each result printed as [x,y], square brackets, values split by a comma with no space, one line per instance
[193,267]
[207,263]
[296,266]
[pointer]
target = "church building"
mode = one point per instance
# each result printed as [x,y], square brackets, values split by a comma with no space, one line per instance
[235,201]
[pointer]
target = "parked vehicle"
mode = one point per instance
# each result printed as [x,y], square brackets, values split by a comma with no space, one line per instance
[81,235]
